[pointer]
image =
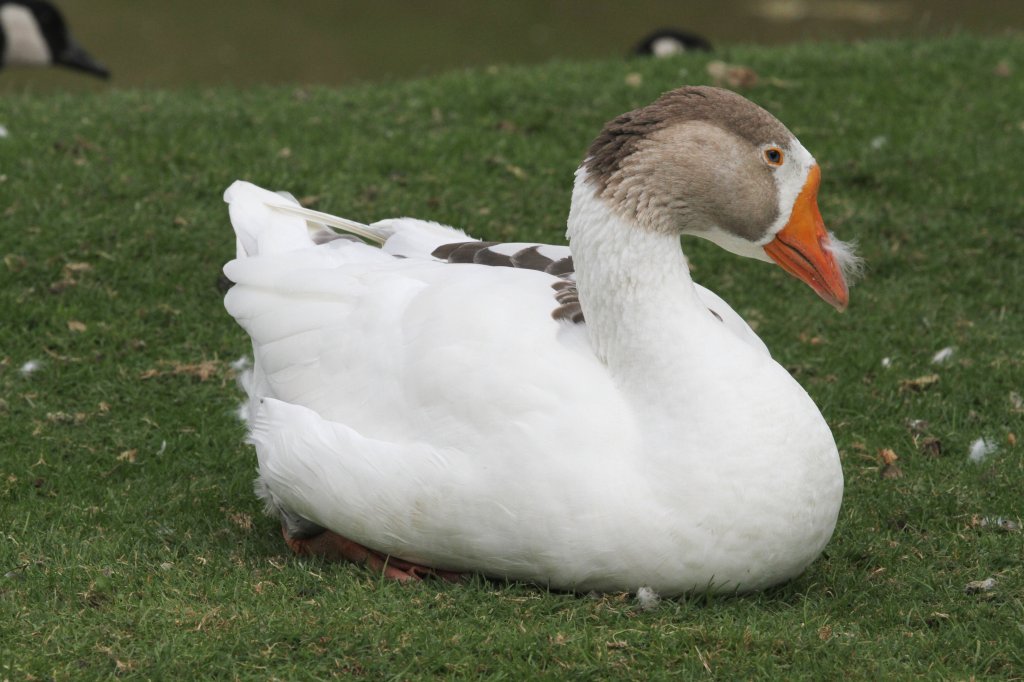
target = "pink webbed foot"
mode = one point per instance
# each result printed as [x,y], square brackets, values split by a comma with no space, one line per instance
[333,547]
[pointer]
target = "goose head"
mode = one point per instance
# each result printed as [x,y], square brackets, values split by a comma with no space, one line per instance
[668,42]
[33,33]
[707,162]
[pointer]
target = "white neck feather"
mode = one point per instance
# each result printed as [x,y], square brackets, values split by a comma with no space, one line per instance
[694,385]
[634,284]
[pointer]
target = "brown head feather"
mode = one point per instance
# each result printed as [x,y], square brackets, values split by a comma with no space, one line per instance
[693,158]
[723,108]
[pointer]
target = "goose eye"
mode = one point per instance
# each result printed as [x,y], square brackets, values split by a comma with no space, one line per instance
[773,156]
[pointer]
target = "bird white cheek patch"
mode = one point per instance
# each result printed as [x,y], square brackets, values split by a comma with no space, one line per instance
[25,43]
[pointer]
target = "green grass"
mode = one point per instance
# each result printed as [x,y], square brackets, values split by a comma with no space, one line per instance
[130,538]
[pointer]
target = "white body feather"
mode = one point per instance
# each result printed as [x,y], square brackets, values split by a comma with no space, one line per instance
[439,413]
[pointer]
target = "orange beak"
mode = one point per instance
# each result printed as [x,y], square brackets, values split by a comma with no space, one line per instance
[801,247]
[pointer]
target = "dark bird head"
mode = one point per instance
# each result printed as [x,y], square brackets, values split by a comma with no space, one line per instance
[33,33]
[666,42]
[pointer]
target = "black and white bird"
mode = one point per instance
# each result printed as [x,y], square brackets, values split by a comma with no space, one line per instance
[667,42]
[33,33]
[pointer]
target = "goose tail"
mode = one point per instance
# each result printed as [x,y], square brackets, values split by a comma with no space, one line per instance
[268,222]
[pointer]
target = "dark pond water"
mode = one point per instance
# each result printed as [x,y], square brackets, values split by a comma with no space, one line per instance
[171,43]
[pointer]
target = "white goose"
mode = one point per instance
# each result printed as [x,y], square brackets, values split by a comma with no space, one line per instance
[428,417]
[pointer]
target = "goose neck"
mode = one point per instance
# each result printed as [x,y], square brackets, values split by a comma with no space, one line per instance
[634,282]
